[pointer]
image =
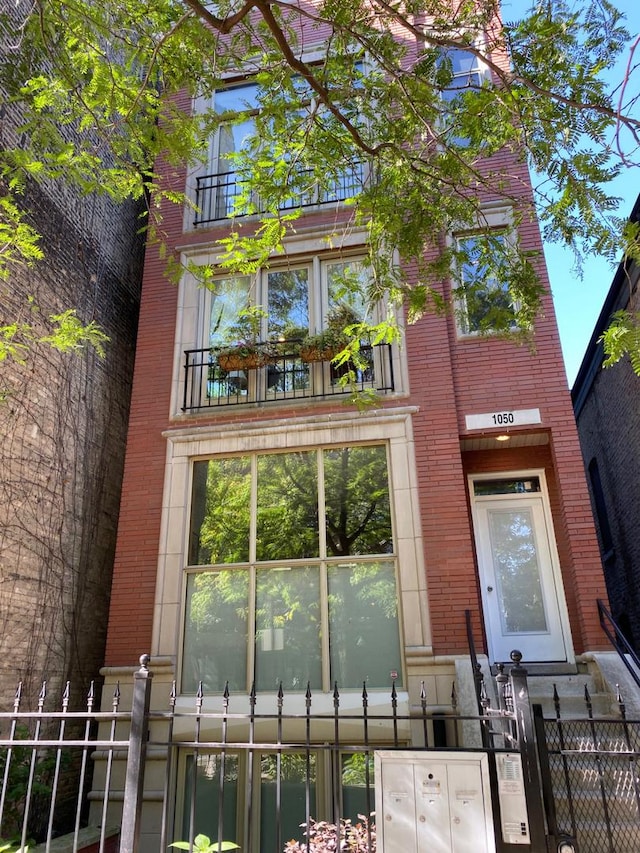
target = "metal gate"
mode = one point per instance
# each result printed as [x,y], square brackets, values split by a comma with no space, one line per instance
[591,778]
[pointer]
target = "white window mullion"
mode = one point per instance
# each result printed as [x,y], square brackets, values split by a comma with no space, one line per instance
[251,621]
[261,300]
[253,525]
[251,628]
[316,295]
[324,596]
[204,321]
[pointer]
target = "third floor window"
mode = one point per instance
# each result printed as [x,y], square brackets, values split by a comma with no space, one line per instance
[220,189]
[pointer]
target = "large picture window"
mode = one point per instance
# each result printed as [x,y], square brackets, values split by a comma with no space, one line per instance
[292,572]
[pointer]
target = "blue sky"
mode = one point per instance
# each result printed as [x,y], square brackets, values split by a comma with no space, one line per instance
[578,302]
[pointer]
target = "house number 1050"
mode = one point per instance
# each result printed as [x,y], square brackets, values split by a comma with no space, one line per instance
[501,418]
[491,420]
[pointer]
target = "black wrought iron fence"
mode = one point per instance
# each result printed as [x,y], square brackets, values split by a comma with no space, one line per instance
[591,777]
[259,769]
[46,770]
[249,769]
[620,643]
[221,195]
[253,769]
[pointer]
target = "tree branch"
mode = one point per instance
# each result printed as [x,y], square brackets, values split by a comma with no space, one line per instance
[303,69]
[222,25]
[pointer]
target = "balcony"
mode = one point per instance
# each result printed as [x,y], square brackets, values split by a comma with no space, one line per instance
[216,194]
[279,372]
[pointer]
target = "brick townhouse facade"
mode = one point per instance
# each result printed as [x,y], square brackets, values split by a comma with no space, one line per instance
[271,530]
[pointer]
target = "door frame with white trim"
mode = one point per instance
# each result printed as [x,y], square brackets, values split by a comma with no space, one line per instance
[550,640]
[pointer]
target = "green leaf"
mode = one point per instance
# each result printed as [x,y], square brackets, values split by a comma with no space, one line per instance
[202,844]
[69,334]
[622,338]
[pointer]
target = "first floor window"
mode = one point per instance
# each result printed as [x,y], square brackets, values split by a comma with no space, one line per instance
[292,573]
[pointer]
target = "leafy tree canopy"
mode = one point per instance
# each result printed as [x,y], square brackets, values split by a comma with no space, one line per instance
[339,84]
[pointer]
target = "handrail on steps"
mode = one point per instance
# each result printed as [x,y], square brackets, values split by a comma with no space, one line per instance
[619,641]
[478,677]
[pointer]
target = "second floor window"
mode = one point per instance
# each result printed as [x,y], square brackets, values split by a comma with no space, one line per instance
[273,336]
[290,302]
[483,301]
[273,321]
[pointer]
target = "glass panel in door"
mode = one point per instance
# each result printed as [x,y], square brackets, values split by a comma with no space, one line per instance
[229,297]
[517,571]
[347,284]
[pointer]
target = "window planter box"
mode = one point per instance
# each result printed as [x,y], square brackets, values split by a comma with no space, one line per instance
[311,354]
[230,361]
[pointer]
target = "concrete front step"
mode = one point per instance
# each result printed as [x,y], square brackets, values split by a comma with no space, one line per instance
[574,707]
[571,693]
[567,685]
[584,775]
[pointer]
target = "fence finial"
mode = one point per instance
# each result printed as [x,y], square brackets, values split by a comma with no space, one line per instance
[18,698]
[145,660]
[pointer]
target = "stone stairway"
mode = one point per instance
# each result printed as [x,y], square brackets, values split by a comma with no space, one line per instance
[592,769]
[594,778]
[570,690]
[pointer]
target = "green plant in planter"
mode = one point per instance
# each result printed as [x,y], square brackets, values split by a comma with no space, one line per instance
[327,344]
[202,844]
[245,352]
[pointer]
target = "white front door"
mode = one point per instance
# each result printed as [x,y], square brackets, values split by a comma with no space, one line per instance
[519,574]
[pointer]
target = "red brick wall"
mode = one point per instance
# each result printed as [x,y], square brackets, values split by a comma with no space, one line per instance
[133,590]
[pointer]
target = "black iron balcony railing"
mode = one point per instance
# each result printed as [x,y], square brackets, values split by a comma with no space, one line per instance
[272,372]
[217,194]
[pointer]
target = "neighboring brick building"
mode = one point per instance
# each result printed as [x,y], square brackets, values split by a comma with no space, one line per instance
[63,420]
[607,409]
[271,530]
